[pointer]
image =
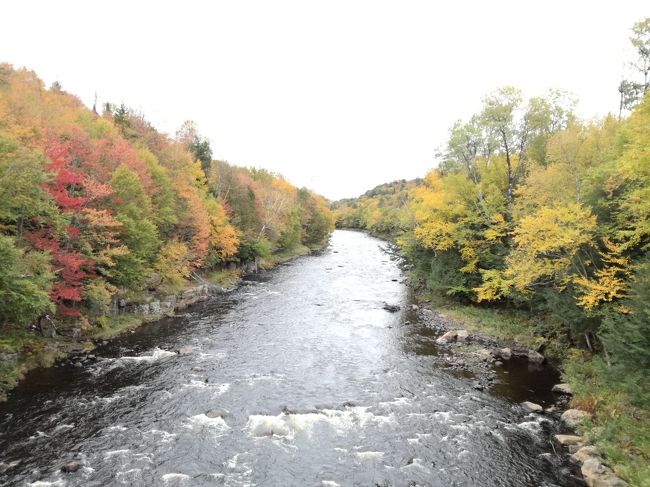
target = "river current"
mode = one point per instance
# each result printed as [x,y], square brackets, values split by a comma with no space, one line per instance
[314,383]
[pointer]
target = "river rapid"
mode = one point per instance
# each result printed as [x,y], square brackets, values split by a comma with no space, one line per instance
[313,384]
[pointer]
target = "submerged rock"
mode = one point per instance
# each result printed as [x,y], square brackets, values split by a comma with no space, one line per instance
[393,308]
[562,389]
[216,413]
[573,417]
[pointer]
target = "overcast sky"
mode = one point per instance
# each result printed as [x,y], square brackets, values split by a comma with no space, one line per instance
[336,96]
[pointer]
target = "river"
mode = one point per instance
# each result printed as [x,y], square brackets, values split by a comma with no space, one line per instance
[317,384]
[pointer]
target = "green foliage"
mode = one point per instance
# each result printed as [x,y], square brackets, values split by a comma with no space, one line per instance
[22,198]
[133,211]
[25,280]
[627,336]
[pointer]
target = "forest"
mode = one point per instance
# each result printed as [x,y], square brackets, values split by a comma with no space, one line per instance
[536,216]
[96,207]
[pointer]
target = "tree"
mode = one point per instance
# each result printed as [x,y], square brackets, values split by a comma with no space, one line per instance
[140,235]
[23,202]
[631,91]
[25,281]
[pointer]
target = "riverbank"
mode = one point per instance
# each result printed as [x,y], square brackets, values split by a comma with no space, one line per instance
[615,432]
[22,350]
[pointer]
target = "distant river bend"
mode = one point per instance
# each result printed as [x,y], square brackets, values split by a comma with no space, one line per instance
[309,382]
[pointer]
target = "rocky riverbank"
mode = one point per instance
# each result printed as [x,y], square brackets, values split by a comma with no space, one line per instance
[480,355]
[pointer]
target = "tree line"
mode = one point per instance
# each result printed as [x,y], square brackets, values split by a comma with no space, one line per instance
[94,206]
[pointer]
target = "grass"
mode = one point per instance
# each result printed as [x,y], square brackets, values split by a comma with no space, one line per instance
[284,256]
[506,324]
[117,324]
[224,277]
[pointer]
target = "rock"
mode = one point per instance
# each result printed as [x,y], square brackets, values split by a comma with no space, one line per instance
[448,337]
[415,307]
[197,369]
[484,354]
[153,281]
[504,353]
[7,358]
[531,406]
[216,413]
[78,365]
[562,389]
[574,448]
[567,440]
[462,335]
[587,452]
[393,308]
[478,386]
[535,357]
[598,475]
[71,466]
[184,350]
[498,363]
[550,410]
[155,308]
[573,417]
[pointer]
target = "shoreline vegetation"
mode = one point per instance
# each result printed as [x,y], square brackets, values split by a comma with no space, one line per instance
[534,228]
[105,222]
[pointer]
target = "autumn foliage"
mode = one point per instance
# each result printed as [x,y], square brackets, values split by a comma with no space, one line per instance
[94,206]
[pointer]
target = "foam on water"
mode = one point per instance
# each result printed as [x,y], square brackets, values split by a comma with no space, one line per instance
[201,421]
[169,477]
[288,425]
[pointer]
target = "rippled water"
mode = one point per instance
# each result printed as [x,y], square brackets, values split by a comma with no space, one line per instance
[322,387]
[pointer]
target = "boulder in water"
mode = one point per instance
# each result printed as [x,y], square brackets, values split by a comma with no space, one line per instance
[216,413]
[563,389]
[531,406]
[504,353]
[535,357]
[71,466]
[393,308]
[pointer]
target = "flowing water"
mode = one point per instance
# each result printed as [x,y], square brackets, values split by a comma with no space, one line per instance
[321,385]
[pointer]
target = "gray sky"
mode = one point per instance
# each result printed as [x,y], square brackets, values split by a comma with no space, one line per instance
[337,96]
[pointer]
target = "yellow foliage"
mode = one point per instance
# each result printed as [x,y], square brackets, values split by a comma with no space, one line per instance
[609,282]
[173,264]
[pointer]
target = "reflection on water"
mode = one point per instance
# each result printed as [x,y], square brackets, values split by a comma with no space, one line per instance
[300,378]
